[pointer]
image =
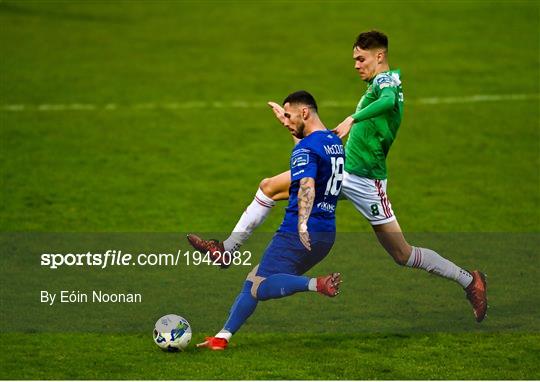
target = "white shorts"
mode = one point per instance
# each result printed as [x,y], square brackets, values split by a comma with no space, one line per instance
[369,197]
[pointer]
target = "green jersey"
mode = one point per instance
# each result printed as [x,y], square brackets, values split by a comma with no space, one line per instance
[376,122]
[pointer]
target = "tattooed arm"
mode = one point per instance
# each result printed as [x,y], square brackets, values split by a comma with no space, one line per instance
[306,197]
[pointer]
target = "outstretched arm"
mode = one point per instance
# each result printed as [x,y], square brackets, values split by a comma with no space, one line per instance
[383,104]
[280,115]
[306,197]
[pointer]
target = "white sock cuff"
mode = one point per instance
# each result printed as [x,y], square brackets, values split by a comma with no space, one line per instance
[415,259]
[264,200]
[312,286]
[225,334]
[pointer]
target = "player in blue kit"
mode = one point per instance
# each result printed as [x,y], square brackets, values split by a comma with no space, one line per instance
[373,128]
[308,230]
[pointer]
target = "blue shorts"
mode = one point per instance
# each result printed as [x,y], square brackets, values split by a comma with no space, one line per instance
[287,254]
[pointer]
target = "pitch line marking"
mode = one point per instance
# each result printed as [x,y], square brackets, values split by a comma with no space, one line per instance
[258,104]
[477,98]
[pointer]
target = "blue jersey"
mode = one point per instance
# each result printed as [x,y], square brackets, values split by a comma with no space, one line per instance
[320,156]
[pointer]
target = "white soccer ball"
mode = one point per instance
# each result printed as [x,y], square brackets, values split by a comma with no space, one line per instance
[172,333]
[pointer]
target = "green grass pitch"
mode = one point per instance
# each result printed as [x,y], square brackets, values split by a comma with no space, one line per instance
[129,116]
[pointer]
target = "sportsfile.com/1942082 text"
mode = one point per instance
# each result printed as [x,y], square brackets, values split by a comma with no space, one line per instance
[118,258]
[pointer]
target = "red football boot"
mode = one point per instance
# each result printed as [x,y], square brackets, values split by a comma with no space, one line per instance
[477,295]
[214,343]
[214,248]
[329,285]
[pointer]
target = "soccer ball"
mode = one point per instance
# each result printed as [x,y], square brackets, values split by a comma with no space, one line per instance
[172,333]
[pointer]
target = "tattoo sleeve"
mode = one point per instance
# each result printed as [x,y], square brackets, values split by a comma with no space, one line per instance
[306,197]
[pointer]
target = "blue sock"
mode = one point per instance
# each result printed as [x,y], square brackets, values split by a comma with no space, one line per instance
[243,307]
[281,285]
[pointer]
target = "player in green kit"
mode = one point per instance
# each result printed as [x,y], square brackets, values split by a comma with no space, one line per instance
[372,128]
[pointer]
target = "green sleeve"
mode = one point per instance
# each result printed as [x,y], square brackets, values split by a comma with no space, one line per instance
[384,103]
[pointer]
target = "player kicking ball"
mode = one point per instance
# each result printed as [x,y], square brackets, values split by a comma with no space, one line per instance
[373,128]
[308,230]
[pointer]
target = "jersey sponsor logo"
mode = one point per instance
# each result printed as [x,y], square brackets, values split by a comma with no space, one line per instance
[326,206]
[299,160]
[298,172]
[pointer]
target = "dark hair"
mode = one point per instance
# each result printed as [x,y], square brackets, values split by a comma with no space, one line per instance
[370,40]
[301,97]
